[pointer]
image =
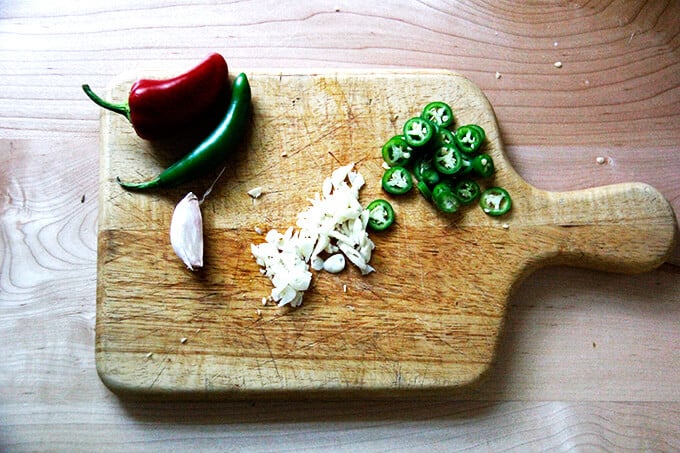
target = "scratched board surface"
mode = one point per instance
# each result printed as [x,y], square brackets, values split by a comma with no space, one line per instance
[427,320]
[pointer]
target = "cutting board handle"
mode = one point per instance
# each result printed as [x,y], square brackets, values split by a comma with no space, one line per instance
[627,228]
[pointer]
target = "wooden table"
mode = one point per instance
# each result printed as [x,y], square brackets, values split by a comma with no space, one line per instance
[588,360]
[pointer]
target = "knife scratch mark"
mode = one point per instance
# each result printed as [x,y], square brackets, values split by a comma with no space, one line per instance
[158,375]
[298,335]
[271,354]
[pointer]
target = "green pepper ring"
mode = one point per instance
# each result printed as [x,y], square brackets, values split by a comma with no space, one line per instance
[379,224]
[418,131]
[483,166]
[469,130]
[444,186]
[445,199]
[467,191]
[424,190]
[495,201]
[440,160]
[424,170]
[444,120]
[445,137]
[405,151]
[389,185]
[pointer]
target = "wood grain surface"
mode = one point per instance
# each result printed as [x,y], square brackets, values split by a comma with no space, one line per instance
[588,360]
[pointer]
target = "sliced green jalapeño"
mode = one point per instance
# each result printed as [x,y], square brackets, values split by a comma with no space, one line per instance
[447,160]
[397,181]
[418,131]
[467,191]
[495,201]
[380,215]
[438,113]
[396,152]
[469,138]
[482,165]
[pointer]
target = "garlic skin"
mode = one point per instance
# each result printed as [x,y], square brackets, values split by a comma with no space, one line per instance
[186,232]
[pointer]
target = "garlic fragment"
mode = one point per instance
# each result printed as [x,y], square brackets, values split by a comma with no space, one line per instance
[255,192]
[334,263]
[186,231]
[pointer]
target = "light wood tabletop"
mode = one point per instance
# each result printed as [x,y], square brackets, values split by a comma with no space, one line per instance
[586,94]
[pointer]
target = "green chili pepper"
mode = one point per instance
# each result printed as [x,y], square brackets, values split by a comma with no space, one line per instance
[438,113]
[212,152]
[447,160]
[397,152]
[424,170]
[469,138]
[424,190]
[418,131]
[397,181]
[444,186]
[466,165]
[495,201]
[466,190]
[444,137]
[483,166]
[380,215]
[444,198]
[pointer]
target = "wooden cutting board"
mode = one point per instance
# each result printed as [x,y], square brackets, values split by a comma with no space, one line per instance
[429,319]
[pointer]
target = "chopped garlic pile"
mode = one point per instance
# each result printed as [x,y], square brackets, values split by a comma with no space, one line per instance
[335,222]
[284,260]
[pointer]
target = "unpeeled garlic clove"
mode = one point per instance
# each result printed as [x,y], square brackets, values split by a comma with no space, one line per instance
[186,231]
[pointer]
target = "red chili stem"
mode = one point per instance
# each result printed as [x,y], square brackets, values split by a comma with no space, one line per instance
[122,109]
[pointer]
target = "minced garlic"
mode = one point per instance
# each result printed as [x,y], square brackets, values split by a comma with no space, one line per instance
[335,222]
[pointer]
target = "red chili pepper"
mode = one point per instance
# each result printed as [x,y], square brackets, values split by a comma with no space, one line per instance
[158,108]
